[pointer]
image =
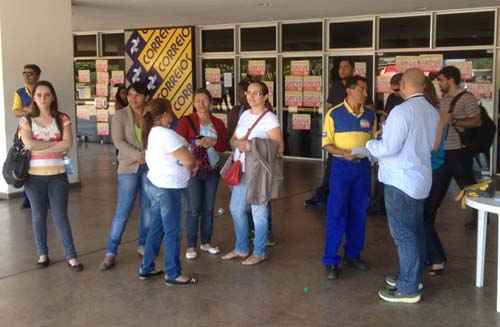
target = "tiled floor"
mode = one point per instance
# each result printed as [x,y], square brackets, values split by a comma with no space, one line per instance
[288,290]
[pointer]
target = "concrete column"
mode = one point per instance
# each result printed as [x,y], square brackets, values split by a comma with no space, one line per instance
[34,32]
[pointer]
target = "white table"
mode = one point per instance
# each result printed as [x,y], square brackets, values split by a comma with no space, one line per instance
[485,206]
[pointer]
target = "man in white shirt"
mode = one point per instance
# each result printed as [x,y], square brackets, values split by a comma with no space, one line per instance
[404,155]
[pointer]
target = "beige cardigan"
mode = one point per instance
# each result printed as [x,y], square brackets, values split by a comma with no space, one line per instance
[122,133]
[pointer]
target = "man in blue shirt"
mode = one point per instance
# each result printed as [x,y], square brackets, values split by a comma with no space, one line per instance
[404,154]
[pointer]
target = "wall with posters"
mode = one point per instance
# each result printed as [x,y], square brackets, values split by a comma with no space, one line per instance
[163,59]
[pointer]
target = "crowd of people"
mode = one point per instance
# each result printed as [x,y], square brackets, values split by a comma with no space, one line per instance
[414,141]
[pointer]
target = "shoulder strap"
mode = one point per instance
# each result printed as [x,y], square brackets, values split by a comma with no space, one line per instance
[255,124]
[192,125]
[455,100]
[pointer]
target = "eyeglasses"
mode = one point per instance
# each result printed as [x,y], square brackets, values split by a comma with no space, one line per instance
[28,73]
[254,93]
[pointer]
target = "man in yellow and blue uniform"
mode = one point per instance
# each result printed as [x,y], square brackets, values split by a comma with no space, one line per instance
[347,128]
[22,101]
[23,96]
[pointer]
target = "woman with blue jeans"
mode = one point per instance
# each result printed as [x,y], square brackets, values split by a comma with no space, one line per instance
[47,133]
[126,132]
[266,128]
[208,133]
[170,167]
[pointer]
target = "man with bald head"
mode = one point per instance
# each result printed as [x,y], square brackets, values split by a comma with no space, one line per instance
[404,155]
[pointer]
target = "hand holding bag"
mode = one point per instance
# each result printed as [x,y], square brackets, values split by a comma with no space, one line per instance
[232,175]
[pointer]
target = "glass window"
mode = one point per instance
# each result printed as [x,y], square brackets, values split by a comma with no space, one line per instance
[258,38]
[85,45]
[351,35]
[218,79]
[113,44]
[302,37]
[405,32]
[217,40]
[476,28]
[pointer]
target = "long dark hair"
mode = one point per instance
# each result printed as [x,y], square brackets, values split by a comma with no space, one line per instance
[54,107]
[154,109]
[118,98]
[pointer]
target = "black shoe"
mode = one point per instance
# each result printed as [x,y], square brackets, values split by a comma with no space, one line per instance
[358,264]
[43,264]
[314,203]
[332,272]
[396,297]
[25,205]
[76,268]
[148,275]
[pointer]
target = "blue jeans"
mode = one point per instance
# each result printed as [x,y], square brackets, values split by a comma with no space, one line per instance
[347,207]
[260,213]
[129,186]
[201,193]
[405,216]
[54,188]
[165,221]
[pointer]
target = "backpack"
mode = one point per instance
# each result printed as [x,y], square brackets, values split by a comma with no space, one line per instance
[17,164]
[476,139]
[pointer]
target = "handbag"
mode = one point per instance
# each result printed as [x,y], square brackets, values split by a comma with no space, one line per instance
[17,164]
[200,154]
[232,175]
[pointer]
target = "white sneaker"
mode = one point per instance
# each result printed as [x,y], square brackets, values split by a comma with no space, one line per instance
[210,249]
[191,253]
[140,250]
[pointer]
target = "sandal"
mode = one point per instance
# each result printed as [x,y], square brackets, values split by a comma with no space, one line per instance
[253,260]
[172,282]
[77,267]
[233,255]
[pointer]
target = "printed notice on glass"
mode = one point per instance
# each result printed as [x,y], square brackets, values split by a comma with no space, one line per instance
[481,90]
[312,83]
[102,129]
[228,80]
[360,68]
[101,65]
[405,62]
[117,77]
[293,83]
[84,76]
[311,99]
[83,111]
[101,90]
[299,67]
[430,63]
[293,99]
[301,122]
[465,68]
[84,92]
[102,115]
[102,78]
[111,108]
[101,102]
[212,75]
[256,67]
[215,90]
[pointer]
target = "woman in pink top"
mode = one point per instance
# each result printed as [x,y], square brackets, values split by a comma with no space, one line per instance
[47,133]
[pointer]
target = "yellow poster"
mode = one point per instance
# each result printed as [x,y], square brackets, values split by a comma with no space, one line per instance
[162,59]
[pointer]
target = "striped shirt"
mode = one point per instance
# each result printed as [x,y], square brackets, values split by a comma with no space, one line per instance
[47,163]
[466,107]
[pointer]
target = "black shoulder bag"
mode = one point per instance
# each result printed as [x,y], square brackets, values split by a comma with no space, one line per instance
[17,164]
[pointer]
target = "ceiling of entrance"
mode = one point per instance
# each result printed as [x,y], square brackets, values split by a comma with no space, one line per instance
[122,14]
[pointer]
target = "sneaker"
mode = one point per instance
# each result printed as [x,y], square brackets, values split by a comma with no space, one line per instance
[191,253]
[357,263]
[396,297]
[390,283]
[148,275]
[332,272]
[140,250]
[210,249]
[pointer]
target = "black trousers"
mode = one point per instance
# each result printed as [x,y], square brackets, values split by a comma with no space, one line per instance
[458,166]
[321,193]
